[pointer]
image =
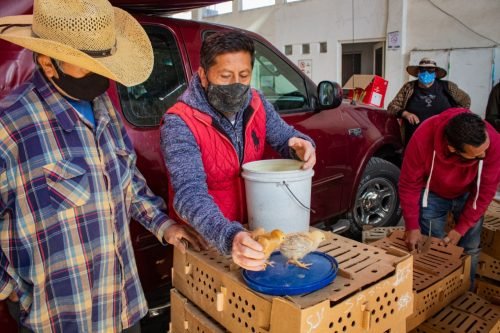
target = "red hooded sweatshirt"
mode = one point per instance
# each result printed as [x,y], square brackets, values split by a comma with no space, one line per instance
[428,164]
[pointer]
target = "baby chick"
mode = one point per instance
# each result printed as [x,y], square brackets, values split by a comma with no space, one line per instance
[297,245]
[270,241]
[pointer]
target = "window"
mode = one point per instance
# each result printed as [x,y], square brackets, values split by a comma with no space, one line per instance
[281,84]
[288,49]
[218,9]
[251,4]
[323,47]
[144,104]
[306,48]
[288,1]
[183,15]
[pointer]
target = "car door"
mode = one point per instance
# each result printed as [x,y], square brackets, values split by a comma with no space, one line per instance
[293,95]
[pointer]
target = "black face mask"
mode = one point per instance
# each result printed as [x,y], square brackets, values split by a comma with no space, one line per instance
[86,88]
[227,98]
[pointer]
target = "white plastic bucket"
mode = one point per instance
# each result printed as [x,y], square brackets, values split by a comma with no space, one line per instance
[278,195]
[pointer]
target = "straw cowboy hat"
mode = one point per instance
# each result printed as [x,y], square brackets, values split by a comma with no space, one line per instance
[426,62]
[90,34]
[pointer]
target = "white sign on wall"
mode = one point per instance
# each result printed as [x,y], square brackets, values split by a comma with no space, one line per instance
[305,66]
[393,40]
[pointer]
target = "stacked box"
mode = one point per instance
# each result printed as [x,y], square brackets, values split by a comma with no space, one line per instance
[490,236]
[370,235]
[488,267]
[440,275]
[188,318]
[489,290]
[468,313]
[372,293]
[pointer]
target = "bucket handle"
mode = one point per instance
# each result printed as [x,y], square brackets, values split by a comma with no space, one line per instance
[297,199]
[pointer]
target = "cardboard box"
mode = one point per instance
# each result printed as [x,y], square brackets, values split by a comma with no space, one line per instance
[488,267]
[186,317]
[490,236]
[439,276]
[369,235]
[372,293]
[488,289]
[369,89]
[469,313]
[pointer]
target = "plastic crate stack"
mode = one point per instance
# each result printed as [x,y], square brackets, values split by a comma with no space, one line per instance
[372,293]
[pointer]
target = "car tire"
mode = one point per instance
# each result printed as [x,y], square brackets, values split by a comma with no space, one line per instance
[377,199]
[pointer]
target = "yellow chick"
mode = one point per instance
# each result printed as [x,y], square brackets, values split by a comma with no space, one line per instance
[270,241]
[297,245]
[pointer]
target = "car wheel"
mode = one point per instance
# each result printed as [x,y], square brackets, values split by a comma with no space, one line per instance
[377,200]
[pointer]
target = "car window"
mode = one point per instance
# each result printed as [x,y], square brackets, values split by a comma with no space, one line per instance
[145,103]
[282,85]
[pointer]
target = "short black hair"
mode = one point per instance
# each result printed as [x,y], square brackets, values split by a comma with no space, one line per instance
[221,42]
[465,129]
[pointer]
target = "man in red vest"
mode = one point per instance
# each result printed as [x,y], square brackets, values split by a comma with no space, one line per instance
[218,124]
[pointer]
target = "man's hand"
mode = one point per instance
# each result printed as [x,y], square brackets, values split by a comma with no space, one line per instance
[413,238]
[247,253]
[412,118]
[304,150]
[453,238]
[180,234]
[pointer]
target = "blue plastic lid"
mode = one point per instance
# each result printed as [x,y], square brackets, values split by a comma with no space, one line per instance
[287,279]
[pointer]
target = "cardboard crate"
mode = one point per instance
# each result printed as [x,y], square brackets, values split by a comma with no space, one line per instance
[439,276]
[488,267]
[369,235]
[490,236]
[488,289]
[469,313]
[372,293]
[187,318]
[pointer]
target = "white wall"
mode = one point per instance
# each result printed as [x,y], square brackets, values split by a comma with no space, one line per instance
[422,26]
[313,21]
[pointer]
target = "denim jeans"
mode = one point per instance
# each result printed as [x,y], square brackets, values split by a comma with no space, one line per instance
[435,216]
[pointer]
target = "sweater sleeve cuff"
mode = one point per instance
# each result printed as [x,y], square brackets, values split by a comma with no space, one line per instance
[411,223]
[461,228]
[162,225]
[227,246]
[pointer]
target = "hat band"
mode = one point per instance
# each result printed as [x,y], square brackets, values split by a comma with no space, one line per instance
[92,53]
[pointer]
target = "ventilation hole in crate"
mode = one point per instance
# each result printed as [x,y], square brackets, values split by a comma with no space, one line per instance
[389,303]
[246,324]
[396,299]
[340,320]
[253,307]
[330,325]
[381,308]
[393,290]
[233,315]
[344,328]
[348,315]
[374,271]
[377,320]
[378,299]
[385,295]
[243,310]
[373,312]
[353,324]
[249,315]
[236,305]
[253,329]
[384,315]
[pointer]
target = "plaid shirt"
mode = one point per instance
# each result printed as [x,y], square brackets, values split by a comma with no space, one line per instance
[67,193]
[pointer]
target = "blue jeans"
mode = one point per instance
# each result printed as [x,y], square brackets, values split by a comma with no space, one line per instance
[435,215]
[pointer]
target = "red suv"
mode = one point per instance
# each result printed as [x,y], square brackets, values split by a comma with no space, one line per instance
[358,147]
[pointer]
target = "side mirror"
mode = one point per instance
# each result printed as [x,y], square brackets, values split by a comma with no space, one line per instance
[329,94]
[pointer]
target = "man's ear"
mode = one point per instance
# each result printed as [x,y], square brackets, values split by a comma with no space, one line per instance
[203,77]
[452,149]
[47,66]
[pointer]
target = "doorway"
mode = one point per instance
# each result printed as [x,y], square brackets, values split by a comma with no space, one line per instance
[362,58]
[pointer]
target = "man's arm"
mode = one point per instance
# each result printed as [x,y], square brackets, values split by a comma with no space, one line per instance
[411,183]
[278,132]
[397,105]
[460,96]
[192,201]
[6,282]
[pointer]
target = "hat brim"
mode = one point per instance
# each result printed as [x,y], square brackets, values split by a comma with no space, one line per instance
[413,71]
[130,64]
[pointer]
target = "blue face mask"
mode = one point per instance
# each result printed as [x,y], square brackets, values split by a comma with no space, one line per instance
[426,78]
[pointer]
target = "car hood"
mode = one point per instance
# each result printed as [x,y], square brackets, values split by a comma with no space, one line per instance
[19,7]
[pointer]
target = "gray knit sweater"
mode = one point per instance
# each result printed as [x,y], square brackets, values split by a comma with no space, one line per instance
[183,160]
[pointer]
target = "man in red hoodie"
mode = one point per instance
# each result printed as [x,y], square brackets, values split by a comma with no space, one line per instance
[451,164]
